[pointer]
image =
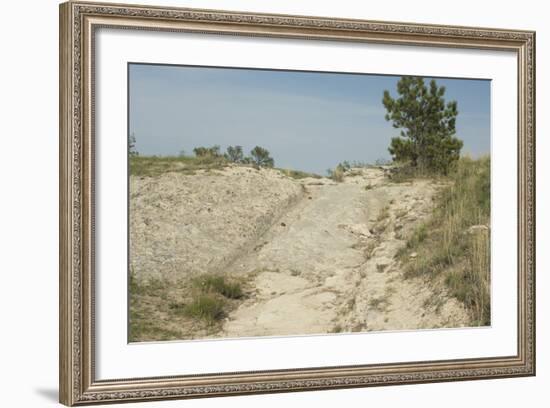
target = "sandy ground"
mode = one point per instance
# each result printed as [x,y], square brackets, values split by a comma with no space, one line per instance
[317,256]
[313,274]
[182,225]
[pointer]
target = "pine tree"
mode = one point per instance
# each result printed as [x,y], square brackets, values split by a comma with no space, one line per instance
[428,125]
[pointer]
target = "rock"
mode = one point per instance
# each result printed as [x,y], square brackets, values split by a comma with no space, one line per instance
[381,267]
[413,255]
[360,230]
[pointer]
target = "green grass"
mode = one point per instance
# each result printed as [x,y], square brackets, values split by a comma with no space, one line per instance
[444,246]
[209,300]
[405,173]
[418,236]
[206,307]
[337,174]
[164,310]
[142,326]
[156,165]
[151,166]
[218,284]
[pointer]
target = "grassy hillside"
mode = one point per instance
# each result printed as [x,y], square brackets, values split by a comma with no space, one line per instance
[454,245]
[157,165]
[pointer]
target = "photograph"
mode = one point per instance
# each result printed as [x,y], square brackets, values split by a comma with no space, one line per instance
[267,202]
[279,200]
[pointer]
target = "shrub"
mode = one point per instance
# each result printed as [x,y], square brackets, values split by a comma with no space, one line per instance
[338,173]
[218,284]
[261,158]
[206,307]
[213,151]
[158,165]
[234,154]
[132,151]
[208,300]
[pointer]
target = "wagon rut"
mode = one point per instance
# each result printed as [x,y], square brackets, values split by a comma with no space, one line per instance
[329,264]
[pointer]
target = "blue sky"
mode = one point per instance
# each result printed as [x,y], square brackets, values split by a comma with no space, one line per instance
[308,121]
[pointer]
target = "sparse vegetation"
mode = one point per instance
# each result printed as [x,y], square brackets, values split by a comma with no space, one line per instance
[209,297]
[156,165]
[142,327]
[218,284]
[404,173]
[213,151]
[418,237]
[161,309]
[297,174]
[345,166]
[338,173]
[205,158]
[453,250]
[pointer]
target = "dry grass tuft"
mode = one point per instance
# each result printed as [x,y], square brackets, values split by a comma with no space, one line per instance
[166,310]
[151,166]
[455,242]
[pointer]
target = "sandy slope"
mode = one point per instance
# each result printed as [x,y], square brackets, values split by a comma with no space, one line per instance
[317,256]
[181,225]
[312,274]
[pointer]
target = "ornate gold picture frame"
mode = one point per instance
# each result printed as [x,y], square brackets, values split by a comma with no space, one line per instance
[79,22]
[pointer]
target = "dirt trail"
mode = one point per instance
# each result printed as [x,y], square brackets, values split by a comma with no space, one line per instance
[328,265]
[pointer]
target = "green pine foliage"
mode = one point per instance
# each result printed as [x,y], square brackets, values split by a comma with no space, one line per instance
[428,125]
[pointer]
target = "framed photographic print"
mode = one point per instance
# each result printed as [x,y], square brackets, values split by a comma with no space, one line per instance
[256,203]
